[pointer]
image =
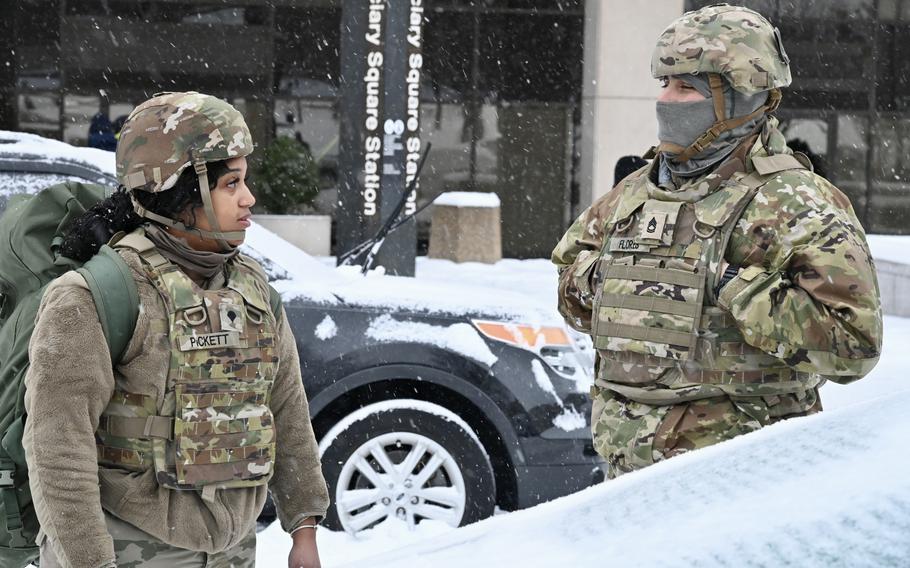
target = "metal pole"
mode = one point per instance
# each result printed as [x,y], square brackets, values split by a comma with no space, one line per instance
[401,129]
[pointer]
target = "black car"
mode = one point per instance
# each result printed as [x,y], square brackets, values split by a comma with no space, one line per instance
[428,403]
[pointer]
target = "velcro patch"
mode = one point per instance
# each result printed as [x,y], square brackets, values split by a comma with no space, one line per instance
[627,244]
[209,341]
[652,225]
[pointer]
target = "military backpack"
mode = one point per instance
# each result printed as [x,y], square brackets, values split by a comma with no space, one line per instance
[31,230]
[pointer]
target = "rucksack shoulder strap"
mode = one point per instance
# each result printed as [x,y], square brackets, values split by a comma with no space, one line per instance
[275,302]
[116,297]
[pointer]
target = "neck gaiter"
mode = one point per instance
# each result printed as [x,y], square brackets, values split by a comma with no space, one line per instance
[682,123]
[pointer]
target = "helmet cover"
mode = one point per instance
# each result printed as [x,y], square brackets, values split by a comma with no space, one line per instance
[735,42]
[171,131]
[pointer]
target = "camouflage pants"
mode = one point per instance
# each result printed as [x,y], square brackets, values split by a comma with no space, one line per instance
[630,435]
[137,549]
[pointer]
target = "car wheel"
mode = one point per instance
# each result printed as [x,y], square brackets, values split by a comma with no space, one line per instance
[408,459]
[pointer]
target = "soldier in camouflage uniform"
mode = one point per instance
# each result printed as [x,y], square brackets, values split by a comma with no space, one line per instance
[166,457]
[724,282]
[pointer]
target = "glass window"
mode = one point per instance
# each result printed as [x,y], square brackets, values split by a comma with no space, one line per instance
[39,113]
[830,45]
[307,60]
[307,51]
[78,114]
[777,11]
[532,175]
[157,46]
[447,54]
[890,179]
[502,78]
[530,57]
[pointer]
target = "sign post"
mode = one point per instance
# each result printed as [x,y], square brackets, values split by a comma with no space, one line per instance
[379,147]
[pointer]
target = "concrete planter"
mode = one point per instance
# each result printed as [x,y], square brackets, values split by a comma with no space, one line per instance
[894,283]
[466,227]
[310,233]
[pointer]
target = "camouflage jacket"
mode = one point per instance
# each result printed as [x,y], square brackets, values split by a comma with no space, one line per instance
[806,292]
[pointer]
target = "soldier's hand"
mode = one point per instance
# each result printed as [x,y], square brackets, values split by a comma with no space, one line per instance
[304,553]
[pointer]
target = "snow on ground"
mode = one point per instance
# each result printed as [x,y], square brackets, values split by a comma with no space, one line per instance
[828,490]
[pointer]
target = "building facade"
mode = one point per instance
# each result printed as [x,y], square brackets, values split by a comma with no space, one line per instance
[500,89]
[532,99]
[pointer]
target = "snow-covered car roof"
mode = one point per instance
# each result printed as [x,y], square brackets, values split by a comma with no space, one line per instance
[29,163]
[20,145]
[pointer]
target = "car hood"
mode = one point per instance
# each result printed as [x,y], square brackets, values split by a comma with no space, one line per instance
[300,276]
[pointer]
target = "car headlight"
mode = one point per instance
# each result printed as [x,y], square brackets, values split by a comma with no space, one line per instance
[551,343]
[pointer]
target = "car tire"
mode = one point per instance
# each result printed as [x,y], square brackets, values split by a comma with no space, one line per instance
[405,458]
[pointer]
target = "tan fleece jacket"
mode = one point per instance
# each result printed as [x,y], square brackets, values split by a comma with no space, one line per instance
[69,384]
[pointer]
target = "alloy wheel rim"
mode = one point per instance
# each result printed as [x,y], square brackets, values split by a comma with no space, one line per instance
[403,475]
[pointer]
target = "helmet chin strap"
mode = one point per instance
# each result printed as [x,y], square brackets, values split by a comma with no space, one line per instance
[216,234]
[220,236]
[684,154]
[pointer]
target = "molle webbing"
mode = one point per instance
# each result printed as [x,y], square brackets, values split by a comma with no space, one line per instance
[133,427]
[654,324]
[625,312]
[651,304]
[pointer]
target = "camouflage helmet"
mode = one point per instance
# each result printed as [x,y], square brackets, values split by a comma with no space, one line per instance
[736,43]
[171,131]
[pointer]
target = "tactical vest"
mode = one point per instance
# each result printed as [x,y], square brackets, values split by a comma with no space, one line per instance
[660,336]
[213,427]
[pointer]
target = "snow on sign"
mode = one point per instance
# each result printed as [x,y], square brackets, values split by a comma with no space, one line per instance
[827,490]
